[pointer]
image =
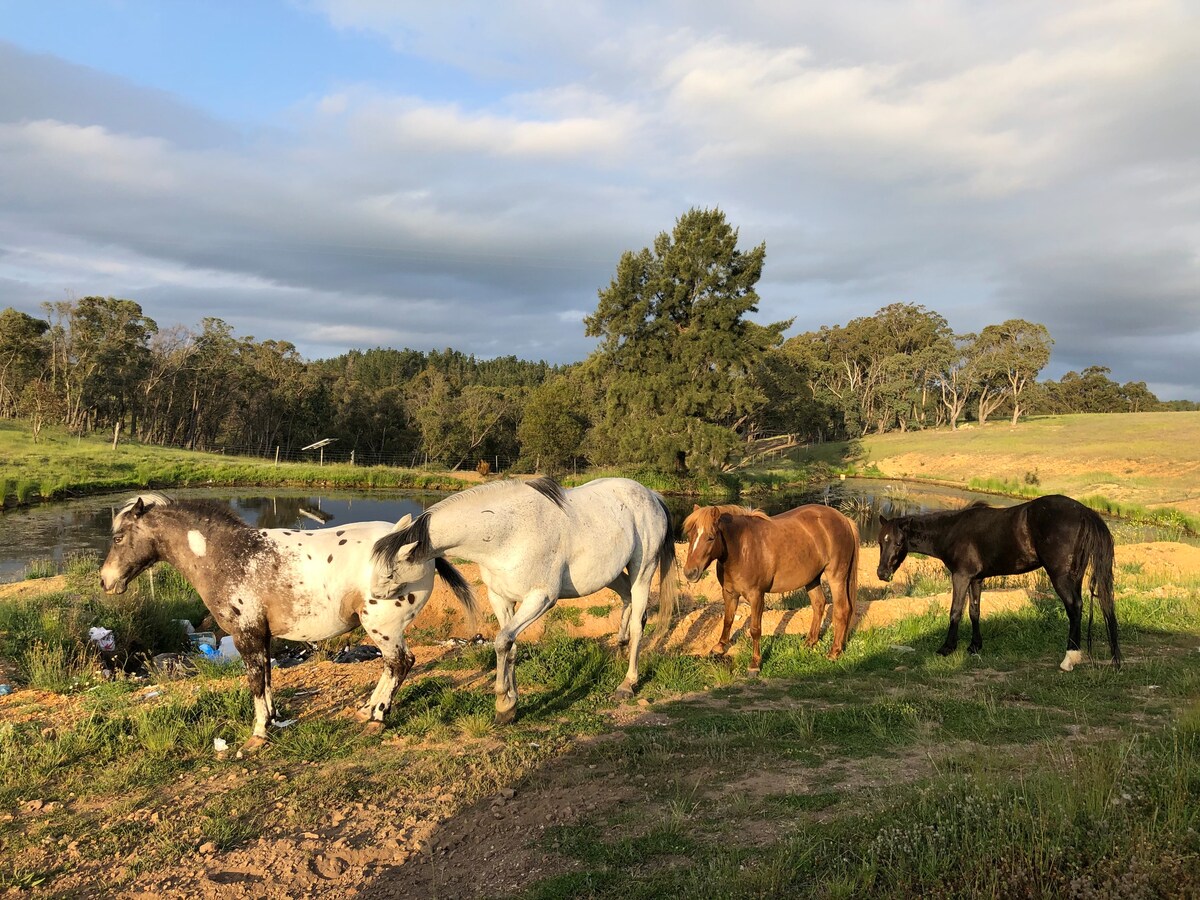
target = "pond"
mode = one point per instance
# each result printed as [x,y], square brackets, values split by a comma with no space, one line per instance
[55,531]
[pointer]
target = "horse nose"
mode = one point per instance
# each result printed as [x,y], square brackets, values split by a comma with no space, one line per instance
[693,575]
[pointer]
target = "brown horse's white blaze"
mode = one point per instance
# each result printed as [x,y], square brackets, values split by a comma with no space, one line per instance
[285,583]
[757,554]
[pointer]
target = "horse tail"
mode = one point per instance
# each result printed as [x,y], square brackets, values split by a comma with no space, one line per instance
[1096,550]
[852,575]
[461,588]
[668,579]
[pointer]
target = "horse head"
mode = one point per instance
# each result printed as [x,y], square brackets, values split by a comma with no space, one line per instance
[396,565]
[705,540]
[893,546]
[134,546]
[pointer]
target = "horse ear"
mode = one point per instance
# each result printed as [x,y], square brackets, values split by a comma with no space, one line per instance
[695,506]
[404,552]
[403,523]
[724,519]
[139,508]
[884,520]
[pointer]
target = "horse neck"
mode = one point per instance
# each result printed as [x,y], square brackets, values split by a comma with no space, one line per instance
[171,542]
[483,526]
[449,531]
[925,537]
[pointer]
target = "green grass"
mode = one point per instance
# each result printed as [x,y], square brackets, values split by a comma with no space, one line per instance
[59,465]
[885,773]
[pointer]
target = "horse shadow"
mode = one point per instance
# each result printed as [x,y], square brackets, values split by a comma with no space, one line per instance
[712,614]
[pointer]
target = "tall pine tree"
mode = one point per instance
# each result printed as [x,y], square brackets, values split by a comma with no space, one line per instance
[676,349]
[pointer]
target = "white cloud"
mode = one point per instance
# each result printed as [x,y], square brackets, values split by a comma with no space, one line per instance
[986,161]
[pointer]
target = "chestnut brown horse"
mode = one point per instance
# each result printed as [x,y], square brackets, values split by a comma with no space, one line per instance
[757,554]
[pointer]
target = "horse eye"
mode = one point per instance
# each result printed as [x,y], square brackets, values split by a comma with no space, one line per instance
[118,539]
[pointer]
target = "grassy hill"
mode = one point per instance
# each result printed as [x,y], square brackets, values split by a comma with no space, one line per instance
[60,465]
[1124,463]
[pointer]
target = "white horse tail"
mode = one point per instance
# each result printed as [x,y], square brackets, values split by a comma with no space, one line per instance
[461,588]
[668,579]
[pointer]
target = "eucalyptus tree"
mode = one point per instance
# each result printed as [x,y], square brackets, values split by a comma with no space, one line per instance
[24,353]
[676,349]
[553,425]
[1006,360]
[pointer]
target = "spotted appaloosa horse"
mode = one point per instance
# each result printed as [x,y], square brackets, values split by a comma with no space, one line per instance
[278,582]
[1053,532]
[535,542]
[757,554]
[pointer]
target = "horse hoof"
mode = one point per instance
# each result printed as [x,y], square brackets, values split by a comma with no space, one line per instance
[810,645]
[506,717]
[975,649]
[945,650]
[753,672]
[255,743]
[623,693]
[373,727]
[718,651]
[833,655]
[362,715]
[1071,660]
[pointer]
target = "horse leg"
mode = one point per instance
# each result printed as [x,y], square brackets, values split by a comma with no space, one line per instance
[843,612]
[253,643]
[533,607]
[640,599]
[731,599]
[1070,590]
[397,663]
[961,586]
[816,599]
[621,586]
[757,600]
[976,635]
[386,621]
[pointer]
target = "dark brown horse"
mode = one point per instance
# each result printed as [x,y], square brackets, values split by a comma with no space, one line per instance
[757,554]
[1053,532]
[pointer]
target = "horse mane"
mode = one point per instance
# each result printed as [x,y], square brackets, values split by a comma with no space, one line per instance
[550,489]
[726,508]
[213,509]
[416,533]
[150,498]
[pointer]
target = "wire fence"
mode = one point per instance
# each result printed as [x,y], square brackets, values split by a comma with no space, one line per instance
[332,455]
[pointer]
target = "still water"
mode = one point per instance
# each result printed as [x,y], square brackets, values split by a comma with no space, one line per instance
[56,530]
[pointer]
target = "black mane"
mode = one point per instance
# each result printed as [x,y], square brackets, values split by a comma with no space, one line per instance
[417,532]
[550,489]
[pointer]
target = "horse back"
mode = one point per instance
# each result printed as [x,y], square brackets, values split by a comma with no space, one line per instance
[984,541]
[791,550]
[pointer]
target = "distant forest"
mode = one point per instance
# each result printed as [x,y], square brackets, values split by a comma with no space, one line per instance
[681,380]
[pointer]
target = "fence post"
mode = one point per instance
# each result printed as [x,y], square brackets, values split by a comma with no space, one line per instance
[277,456]
[351,457]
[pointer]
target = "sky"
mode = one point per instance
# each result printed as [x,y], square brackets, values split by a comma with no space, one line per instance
[361,173]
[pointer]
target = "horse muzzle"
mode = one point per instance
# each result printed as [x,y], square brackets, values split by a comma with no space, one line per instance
[117,586]
[884,576]
[693,575]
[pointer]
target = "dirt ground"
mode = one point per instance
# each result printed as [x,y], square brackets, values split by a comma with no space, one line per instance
[431,846]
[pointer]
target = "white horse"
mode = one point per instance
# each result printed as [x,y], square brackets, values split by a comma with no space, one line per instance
[534,543]
[278,582]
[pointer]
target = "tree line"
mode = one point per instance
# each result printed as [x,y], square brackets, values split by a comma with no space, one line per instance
[681,379]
